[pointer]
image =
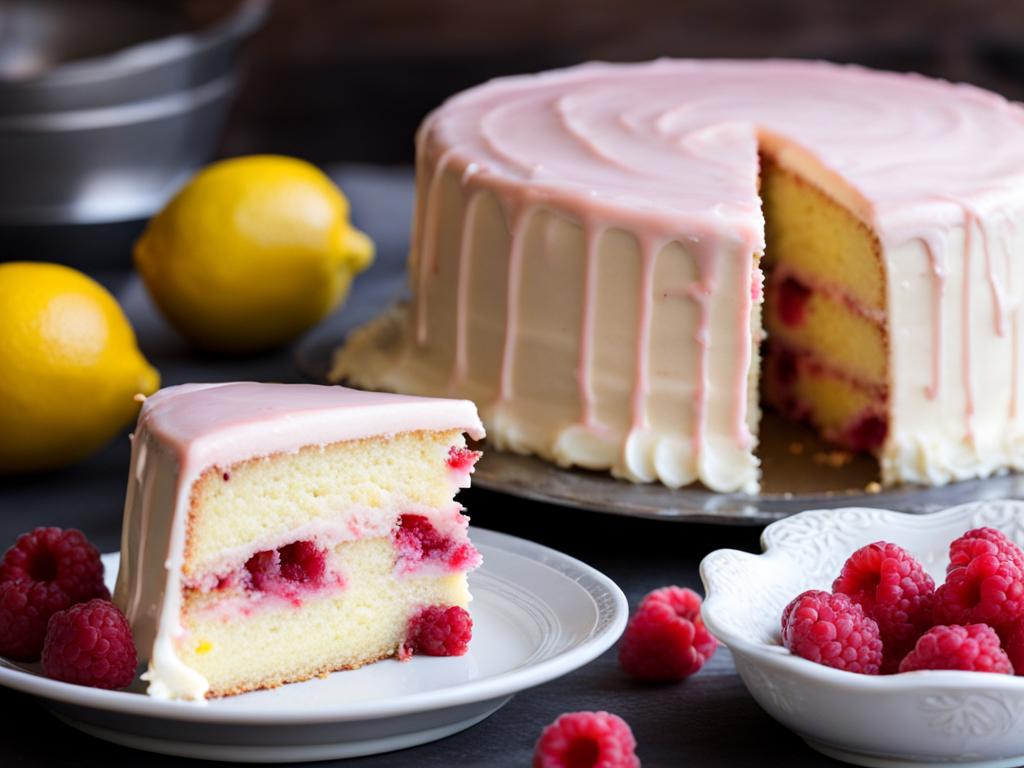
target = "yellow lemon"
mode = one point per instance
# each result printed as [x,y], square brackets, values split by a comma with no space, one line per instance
[69,367]
[251,252]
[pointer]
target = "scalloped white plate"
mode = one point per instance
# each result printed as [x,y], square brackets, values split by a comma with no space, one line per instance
[920,718]
[537,615]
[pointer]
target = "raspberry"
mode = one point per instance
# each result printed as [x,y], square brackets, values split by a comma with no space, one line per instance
[894,590]
[438,631]
[90,644]
[987,588]
[974,648]
[64,557]
[279,570]
[983,541]
[302,562]
[832,630]
[462,459]
[25,607]
[263,568]
[586,740]
[866,434]
[417,541]
[666,638]
[1013,644]
[792,302]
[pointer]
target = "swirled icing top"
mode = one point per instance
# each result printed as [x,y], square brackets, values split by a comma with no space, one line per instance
[675,141]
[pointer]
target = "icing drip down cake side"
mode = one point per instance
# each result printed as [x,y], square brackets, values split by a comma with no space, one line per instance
[594,249]
[275,532]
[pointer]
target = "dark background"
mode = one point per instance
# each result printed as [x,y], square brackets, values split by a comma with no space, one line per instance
[349,80]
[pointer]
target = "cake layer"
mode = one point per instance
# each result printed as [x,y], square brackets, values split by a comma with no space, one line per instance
[829,327]
[333,492]
[846,412]
[247,646]
[583,261]
[818,239]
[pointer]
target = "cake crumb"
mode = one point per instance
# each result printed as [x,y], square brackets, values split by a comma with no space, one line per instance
[873,487]
[796,449]
[138,397]
[833,458]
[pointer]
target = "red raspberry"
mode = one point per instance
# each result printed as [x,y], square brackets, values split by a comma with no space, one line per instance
[62,556]
[1013,644]
[666,638]
[832,630]
[279,570]
[792,302]
[894,590]
[986,589]
[982,541]
[438,631]
[25,607]
[418,541]
[303,562]
[90,644]
[264,568]
[586,740]
[974,648]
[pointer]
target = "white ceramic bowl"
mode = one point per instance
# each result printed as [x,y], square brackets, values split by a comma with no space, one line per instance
[918,718]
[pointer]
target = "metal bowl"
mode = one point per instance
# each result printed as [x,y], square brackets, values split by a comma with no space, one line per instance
[106,107]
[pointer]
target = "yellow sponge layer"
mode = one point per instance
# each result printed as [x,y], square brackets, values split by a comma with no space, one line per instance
[817,238]
[339,628]
[830,403]
[837,335]
[265,499]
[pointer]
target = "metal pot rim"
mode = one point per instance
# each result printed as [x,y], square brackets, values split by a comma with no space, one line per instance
[244,20]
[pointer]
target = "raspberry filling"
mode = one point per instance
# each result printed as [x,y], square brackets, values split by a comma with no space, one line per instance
[462,459]
[286,571]
[786,369]
[418,542]
[793,297]
[867,433]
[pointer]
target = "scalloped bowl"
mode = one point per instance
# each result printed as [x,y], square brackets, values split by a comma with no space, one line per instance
[917,718]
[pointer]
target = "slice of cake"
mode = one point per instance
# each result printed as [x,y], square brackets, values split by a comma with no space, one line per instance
[593,249]
[276,532]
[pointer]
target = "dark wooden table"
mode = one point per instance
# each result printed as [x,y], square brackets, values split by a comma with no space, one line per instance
[709,720]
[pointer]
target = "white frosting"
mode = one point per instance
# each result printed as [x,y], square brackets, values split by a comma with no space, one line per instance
[583,261]
[184,430]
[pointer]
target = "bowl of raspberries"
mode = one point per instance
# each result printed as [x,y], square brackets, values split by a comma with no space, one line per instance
[883,638]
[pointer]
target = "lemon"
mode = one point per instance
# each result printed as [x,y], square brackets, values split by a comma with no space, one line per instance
[69,367]
[251,252]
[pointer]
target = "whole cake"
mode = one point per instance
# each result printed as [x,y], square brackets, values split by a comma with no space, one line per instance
[274,532]
[594,249]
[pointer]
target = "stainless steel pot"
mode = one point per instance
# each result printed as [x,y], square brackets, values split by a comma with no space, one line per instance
[91,138]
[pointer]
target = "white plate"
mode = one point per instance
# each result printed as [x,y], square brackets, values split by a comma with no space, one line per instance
[537,614]
[925,718]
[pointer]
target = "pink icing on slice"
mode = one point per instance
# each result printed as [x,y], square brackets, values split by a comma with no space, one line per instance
[220,424]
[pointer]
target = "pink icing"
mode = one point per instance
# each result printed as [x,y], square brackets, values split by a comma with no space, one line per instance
[220,424]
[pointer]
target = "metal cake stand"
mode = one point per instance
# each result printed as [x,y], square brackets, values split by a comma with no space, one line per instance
[800,472]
